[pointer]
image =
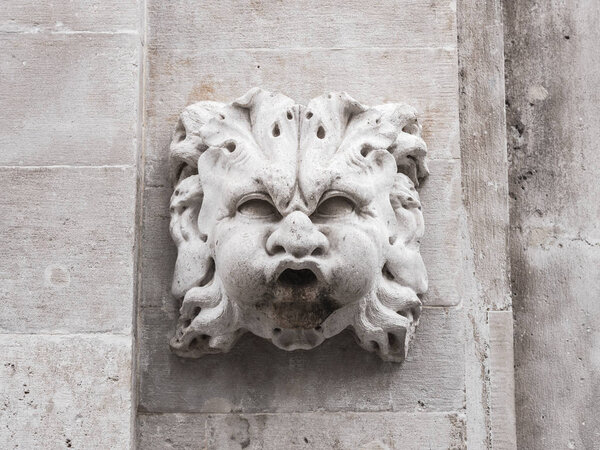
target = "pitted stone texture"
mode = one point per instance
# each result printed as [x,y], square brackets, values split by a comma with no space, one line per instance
[351,431]
[297,222]
[65,391]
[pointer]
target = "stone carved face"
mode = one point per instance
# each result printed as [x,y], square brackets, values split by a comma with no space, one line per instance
[296,222]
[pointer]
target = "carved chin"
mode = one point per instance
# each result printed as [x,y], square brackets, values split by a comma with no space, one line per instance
[298,314]
[295,339]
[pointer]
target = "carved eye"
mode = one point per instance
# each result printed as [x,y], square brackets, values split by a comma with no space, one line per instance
[257,207]
[335,206]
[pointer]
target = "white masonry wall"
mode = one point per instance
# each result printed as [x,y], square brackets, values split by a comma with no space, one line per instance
[553,115]
[90,93]
[69,76]
[257,396]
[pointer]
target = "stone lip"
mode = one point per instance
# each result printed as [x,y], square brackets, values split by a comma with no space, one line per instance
[316,267]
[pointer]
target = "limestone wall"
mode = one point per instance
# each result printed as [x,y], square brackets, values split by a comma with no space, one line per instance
[69,124]
[91,92]
[337,395]
[553,118]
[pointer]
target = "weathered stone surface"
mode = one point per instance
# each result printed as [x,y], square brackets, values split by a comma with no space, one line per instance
[557,340]
[502,379]
[187,63]
[423,78]
[440,195]
[295,222]
[69,90]
[293,24]
[65,391]
[258,377]
[66,260]
[158,252]
[72,99]
[351,431]
[483,147]
[69,16]
[484,175]
[553,121]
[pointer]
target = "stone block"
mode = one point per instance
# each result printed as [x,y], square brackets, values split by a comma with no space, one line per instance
[69,16]
[318,431]
[485,268]
[67,253]
[502,379]
[338,375]
[72,99]
[483,148]
[158,251]
[557,340]
[424,78]
[384,53]
[292,24]
[441,248]
[65,391]
[553,123]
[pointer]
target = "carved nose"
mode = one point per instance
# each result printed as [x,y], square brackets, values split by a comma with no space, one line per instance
[297,236]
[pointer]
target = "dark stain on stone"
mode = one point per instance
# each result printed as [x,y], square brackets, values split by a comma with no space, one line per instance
[303,307]
[239,430]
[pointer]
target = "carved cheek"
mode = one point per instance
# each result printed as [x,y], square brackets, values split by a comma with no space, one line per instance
[240,258]
[357,260]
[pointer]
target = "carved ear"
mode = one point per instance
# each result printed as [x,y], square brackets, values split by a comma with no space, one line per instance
[194,266]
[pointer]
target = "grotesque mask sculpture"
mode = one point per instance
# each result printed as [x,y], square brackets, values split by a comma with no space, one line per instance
[296,222]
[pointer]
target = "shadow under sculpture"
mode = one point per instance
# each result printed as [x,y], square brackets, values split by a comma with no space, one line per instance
[296,222]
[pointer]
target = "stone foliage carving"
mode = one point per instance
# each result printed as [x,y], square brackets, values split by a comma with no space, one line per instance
[296,222]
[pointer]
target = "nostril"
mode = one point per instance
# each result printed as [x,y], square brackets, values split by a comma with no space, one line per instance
[317,251]
[277,249]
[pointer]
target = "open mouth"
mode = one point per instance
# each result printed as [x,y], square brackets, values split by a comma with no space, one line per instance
[297,278]
[300,298]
